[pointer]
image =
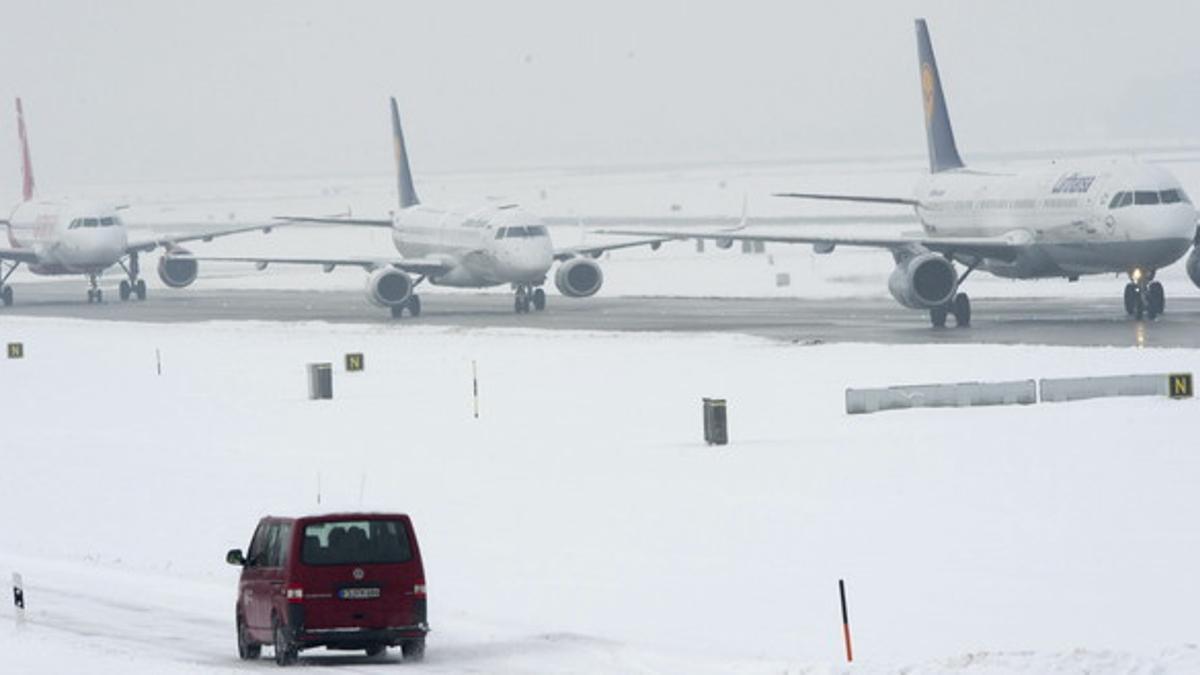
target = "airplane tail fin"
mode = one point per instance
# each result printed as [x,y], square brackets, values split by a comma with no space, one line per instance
[27,185]
[943,153]
[408,195]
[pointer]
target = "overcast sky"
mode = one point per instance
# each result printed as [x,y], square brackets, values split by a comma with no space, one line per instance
[162,90]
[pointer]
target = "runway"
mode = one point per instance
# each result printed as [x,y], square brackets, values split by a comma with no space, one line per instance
[1075,321]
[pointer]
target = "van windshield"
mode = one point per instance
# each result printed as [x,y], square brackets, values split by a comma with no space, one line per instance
[355,542]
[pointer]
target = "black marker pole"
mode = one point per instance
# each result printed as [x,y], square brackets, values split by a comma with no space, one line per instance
[845,622]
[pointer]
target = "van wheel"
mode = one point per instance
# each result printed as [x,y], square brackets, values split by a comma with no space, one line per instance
[413,650]
[375,650]
[248,650]
[285,651]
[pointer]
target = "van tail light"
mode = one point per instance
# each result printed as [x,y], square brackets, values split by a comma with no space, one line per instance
[419,590]
[294,593]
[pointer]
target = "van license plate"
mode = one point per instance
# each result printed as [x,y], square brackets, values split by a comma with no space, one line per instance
[358,593]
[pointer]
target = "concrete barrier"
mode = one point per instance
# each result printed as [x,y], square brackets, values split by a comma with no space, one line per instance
[1079,388]
[964,394]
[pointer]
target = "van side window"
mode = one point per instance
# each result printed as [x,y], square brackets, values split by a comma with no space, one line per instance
[277,545]
[258,546]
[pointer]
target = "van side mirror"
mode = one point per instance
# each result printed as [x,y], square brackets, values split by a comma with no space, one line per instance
[235,557]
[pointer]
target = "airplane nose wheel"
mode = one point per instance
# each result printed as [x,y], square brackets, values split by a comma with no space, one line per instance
[1145,299]
[539,299]
[94,293]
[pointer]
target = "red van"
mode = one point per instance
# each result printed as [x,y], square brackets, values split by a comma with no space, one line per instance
[341,581]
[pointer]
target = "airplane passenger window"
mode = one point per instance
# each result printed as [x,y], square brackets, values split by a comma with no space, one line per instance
[1116,200]
[1145,197]
[1170,196]
[500,232]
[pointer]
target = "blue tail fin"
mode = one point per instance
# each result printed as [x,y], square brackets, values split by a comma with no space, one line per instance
[943,153]
[408,195]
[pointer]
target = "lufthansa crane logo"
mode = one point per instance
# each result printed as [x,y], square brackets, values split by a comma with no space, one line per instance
[927,88]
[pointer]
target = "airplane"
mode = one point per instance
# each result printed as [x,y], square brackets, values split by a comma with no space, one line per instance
[84,237]
[464,248]
[1093,217]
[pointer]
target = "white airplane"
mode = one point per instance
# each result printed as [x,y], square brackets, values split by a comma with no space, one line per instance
[74,237]
[1094,217]
[476,248]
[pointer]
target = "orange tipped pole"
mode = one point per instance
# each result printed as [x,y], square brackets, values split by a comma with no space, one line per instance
[845,622]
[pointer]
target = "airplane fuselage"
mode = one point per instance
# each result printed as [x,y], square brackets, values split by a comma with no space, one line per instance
[68,238]
[1070,220]
[485,247]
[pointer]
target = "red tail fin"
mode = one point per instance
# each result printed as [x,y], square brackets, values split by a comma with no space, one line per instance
[26,162]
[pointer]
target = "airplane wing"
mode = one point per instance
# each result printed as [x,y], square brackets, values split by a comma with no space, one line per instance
[428,266]
[594,251]
[335,220]
[25,255]
[1003,247]
[858,199]
[149,243]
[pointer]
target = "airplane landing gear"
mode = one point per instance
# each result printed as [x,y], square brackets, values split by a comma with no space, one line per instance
[1144,297]
[6,291]
[94,293]
[526,297]
[959,308]
[135,286]
[413,305]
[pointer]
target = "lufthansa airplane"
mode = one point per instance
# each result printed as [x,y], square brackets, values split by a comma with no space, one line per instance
[86,238]
[1094,217]
[475,248]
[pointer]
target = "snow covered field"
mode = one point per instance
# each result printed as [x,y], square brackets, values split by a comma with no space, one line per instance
[580,525]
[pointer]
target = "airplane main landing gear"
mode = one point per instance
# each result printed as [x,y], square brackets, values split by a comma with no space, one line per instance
[526,297]
[959,308]
[1144,298]
[134,285]
[6,291]
[413,305]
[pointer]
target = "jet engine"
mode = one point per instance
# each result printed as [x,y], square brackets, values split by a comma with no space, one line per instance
[177,268]
[1193,266]
[578,278]
[389,287]
[923,281]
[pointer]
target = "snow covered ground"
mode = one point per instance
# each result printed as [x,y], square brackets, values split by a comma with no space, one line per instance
[579,525]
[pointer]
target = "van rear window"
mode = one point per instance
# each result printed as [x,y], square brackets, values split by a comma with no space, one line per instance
[355,542]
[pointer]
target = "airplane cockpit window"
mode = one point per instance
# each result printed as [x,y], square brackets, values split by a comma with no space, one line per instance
[1116,200]
[1172,196]
[516,232]
[1145,197]
[91,222]
[74,224]
[537,231]
[108,221]
[500,232]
